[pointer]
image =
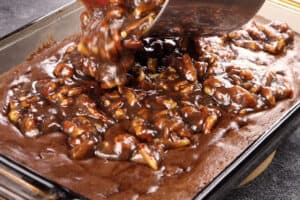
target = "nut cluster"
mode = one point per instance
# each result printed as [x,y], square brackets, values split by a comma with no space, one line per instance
[106,34]
[272,38]
[113,35]
[169,91]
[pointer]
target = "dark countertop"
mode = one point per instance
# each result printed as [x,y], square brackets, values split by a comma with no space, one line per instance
[280,181]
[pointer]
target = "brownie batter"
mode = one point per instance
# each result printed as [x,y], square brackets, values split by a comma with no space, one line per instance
[187,109]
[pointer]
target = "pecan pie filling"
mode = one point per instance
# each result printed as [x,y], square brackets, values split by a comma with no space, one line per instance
[111,114]
[174,89]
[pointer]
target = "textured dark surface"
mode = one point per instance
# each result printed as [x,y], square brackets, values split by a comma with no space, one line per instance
[280,181]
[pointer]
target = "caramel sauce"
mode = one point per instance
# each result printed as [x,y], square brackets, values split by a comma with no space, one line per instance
[158,122]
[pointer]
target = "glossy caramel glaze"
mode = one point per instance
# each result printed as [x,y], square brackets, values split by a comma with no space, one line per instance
[181,172]
[117,27]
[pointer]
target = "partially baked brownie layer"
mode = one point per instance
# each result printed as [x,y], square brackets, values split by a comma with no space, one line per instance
[182,171]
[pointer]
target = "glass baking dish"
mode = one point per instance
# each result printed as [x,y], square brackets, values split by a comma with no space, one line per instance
[18,182]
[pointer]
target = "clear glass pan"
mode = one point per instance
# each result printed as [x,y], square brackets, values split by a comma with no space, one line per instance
[21,183]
